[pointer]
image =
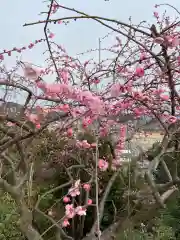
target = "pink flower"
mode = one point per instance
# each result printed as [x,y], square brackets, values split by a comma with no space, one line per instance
[10,124]
[1,57]
[171,41]
[172,119]
[66,199]
[89,201]
[164,97]
[87,187]
[80,211]
[96,81]
[156,14]
[32,117]
[175,42]
[65,108]
[38,125]
[32,72]
[59,88]
[74,191]
[85,144]
[78,144]
[31,45]
[96,105]
[77,183]
[65,76]
[70,132]
[115,90]
[41,84]
[86,122]
[137,112]
[65,223]
[93,145]
[70,211]
[51,35]
[143,56]
[139,72]
[103,165]
[137,95]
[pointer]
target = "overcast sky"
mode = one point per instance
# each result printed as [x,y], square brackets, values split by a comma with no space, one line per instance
[76,37]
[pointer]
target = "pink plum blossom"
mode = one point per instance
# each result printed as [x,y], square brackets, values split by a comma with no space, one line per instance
[51,35]
[66,199]
[70,132]
[89,201]
[70,211]
[85,144]
[115,90]
[93,145]
[10,124]
[32,72]
[86,186]
[65,222]
[139,72]
[172,119]
[164,97]
[80,211]
[103,165]
[75,190]
[156,14]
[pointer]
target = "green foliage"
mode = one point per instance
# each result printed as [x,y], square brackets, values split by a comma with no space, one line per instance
[171,216]
[47,150]
[164,232]
[161,232]
[131,234]
[9,219]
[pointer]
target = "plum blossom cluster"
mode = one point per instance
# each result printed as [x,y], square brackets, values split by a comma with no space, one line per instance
[19,50]
[71,212]
[172,41]
[103,164]
[118,88]
[84,144]
[87,98]
[70,209]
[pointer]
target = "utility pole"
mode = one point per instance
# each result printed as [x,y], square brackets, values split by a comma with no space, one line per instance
[99,53]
